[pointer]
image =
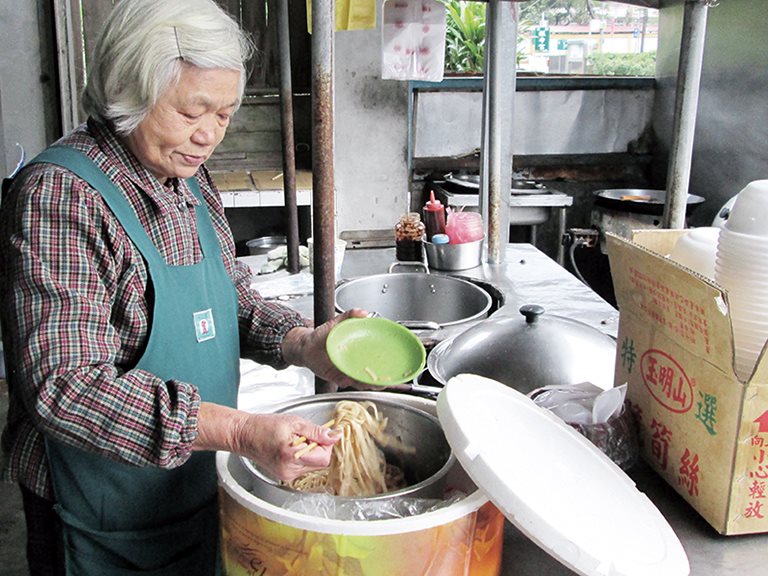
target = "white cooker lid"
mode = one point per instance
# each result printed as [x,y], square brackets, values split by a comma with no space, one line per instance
[554,485]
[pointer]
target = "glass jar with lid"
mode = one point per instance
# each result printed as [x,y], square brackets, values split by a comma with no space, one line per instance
[409,234]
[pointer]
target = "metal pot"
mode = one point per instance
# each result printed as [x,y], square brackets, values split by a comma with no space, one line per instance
[415,299]
[425,472]
[528,352]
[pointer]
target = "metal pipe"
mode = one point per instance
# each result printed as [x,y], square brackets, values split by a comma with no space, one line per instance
[286,121]
[323,226]
[686,105]
[498,115]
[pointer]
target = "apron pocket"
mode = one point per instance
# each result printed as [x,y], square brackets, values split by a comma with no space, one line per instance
[188,547]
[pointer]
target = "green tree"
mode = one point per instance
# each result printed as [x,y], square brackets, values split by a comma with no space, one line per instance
[556,12]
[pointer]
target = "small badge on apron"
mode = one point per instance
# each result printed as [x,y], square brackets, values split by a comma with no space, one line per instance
[204,326]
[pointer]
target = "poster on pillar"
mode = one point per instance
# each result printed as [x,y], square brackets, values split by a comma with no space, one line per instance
[413,40]
[350,14]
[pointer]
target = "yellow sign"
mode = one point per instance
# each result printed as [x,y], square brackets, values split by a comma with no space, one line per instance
[350,14]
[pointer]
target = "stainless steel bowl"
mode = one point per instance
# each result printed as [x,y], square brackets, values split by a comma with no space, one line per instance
[425,471]
[454,256]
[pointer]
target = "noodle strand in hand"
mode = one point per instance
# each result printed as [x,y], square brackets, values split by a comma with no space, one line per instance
[358,467]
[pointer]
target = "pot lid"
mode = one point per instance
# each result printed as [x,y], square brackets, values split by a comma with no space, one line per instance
[528,351]
[554,485]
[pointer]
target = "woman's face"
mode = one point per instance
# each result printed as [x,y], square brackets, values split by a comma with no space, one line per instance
[187,123]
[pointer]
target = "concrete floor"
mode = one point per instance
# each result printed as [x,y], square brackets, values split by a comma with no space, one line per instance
[12,528]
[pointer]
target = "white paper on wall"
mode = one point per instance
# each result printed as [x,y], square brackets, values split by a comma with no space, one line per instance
[413,40]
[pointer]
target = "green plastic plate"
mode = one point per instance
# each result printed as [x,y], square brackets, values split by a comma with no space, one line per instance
[376,351]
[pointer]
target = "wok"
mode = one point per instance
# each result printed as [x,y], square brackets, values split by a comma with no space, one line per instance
[640,200]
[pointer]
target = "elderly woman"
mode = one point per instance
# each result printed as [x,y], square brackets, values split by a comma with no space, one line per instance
[124,310]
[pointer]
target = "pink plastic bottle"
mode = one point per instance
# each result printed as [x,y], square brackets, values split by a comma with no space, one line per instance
[434,216]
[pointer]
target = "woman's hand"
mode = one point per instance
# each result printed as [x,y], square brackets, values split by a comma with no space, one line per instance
[267,439]
[306,347]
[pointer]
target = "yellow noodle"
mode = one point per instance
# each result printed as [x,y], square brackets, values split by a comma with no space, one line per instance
[358,467]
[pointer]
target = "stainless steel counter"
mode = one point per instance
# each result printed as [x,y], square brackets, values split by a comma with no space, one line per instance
[530,277]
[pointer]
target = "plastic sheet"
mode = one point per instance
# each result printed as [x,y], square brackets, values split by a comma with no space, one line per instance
[278,258]
[335,508]
[262,388]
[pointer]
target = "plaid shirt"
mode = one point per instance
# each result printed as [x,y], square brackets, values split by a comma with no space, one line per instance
[75,313]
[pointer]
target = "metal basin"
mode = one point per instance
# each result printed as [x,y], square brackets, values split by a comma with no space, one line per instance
[425,472]
[416,300]
[265,244]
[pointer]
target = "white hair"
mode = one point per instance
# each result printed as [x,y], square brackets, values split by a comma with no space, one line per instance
[141,48]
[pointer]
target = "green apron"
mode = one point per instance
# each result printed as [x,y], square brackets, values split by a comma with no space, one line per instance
[120,519]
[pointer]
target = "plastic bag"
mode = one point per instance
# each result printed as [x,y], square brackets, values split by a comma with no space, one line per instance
[612,430]
[582,403]
[464,227]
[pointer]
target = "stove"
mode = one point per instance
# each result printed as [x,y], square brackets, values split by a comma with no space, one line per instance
[622,210]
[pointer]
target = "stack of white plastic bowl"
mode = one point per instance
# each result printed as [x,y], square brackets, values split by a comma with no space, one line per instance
[697,250]
[741,267]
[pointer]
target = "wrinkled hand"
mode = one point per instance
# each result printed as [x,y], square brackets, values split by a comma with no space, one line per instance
[306,347]
[267,439]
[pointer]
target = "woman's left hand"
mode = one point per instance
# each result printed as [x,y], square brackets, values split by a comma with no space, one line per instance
[306,347]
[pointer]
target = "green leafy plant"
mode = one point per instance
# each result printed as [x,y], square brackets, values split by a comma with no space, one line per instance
[610,64]
[465,36]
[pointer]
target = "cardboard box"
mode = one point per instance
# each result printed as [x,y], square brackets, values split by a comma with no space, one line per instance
[701,429]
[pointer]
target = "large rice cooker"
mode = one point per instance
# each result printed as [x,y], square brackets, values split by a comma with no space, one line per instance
[462,538]
[515,457]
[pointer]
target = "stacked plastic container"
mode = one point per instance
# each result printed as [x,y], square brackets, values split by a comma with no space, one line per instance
[697,250]
[463,227]
[741,267]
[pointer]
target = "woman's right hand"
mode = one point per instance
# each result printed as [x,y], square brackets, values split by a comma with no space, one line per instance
[270,440]
[267,439]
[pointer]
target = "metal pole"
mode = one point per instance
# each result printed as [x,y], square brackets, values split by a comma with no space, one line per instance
[286,119]
[686,104]
[323,227]
[498,120]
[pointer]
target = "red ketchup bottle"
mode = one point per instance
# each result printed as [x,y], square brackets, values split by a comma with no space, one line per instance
[434,216]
